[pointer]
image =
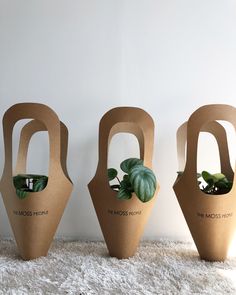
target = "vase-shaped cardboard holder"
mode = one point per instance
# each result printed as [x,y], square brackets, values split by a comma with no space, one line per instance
[122,221]
[211,218]
[34,220]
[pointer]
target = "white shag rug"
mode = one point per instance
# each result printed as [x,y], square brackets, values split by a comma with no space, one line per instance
[160,267]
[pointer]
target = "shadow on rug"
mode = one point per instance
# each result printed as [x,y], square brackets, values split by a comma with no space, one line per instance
[160,267]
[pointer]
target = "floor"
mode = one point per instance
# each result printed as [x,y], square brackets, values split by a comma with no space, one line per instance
[73,267]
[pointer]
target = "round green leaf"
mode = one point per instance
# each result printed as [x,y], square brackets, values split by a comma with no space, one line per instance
[143,182]
[128,164]
[112,173]
[208,177]
[124,194]
[126,178]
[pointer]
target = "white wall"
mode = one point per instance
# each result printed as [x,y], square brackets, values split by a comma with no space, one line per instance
[84,57]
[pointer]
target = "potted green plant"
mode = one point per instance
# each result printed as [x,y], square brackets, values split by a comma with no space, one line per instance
[35,203]
[25,183]
[213,184]
[207,200]
[123,207]
[137,179]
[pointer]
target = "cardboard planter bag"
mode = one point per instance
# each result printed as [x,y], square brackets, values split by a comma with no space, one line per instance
[211,218]
[122,221]
[35,217]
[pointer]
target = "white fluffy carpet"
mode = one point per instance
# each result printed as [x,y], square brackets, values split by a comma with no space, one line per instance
[161,267]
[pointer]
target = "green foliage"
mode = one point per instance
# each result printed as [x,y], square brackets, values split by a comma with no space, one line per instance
[139,179]
[25,183]
[216,184]
[21,193]
[124,193]
[143,181]
[128,164]
[112,173]
[40,184]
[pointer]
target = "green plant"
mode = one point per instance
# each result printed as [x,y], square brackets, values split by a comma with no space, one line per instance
[215,184]
[25,183]
[138,179]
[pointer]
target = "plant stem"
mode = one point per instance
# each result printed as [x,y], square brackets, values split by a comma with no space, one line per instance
[118,179]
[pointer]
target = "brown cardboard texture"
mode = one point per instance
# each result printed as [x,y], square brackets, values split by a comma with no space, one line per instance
[34,220]
[210,218]
[122,221]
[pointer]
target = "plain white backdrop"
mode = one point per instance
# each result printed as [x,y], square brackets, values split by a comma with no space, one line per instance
[84,57]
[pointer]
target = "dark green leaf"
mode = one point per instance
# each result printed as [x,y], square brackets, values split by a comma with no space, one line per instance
[40,184]
[221,185]
[22,194]
[128,164]
[124,194]
[127,183]
[112,173]
[19,182]
[126,178]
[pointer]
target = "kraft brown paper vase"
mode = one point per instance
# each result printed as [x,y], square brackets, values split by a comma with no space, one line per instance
[122,221]
[34,220]
[210,218]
